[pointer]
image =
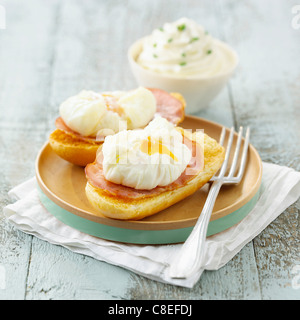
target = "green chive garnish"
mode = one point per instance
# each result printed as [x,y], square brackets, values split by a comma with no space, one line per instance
[170,40]
[181,27]
[194,39]
[209,51]
[154,45]
[183,54]
[155,55]
[161,29]
[182,64]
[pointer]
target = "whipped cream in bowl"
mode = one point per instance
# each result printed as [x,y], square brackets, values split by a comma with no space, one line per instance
[183,57]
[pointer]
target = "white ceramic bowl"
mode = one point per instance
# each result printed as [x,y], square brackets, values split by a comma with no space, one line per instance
[197,91]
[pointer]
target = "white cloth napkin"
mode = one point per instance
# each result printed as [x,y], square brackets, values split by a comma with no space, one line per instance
[280,188]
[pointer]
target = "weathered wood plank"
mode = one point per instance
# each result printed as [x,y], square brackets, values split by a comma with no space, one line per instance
[58,274]
[25,66]
[236,280]
[266,97]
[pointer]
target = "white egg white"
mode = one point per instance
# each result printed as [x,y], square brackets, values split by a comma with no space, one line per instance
[87,112]
[125,163]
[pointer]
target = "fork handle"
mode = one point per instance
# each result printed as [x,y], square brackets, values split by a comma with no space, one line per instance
[192,251]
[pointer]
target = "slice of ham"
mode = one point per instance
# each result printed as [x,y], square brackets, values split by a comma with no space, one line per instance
[167,107]
[95,176]
[60,124]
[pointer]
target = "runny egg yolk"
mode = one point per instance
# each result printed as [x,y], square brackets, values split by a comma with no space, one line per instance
[152,146]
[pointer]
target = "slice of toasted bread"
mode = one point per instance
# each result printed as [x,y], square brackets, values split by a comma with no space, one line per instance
[135,209]
[73,149]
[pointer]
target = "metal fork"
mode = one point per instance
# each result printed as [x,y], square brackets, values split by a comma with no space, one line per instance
[188,260]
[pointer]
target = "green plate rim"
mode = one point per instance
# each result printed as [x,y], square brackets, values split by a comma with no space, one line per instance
[136,236]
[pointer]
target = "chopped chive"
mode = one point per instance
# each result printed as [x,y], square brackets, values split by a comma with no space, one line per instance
[194,39]
[206,32]
[183,54]
[170,40]
[182,64]
[154,45]
[209,51]
[181,27]
[155,55]
[161,29]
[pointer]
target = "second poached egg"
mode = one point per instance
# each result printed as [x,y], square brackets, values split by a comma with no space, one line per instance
[89,113]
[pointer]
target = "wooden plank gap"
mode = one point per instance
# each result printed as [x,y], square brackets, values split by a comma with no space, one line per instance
[58,14]
[28,269]
[232,105]
[222,37]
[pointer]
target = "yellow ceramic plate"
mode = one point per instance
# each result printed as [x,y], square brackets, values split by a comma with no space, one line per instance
[62,191]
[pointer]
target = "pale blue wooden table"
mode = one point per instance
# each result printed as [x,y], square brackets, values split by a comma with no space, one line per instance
[51,49]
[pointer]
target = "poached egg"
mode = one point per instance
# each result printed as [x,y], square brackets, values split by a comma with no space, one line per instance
[91,114]
[145,158]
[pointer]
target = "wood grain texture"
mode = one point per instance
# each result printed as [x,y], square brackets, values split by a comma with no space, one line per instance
[270,81]
[62,47]
[25,64]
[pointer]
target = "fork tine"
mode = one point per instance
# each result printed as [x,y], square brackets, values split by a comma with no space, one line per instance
[225,163]
[221,142]
[222,136]
[244,155]
[236,153]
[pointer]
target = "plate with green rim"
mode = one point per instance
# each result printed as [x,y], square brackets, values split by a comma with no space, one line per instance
[61,187]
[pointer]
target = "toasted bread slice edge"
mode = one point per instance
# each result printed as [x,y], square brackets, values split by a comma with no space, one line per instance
[73,150]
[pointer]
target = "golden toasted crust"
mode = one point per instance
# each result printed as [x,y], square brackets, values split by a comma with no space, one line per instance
[116,208]
[72,149]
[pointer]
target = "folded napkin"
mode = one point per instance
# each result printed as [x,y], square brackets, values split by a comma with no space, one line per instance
[280,188]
